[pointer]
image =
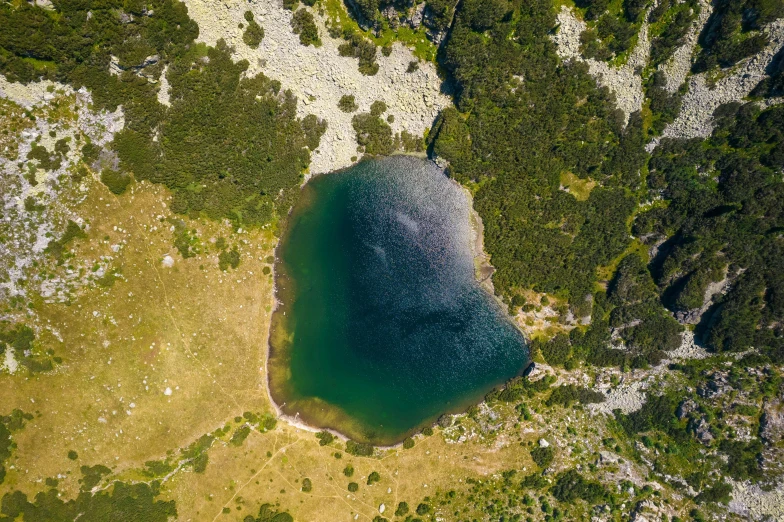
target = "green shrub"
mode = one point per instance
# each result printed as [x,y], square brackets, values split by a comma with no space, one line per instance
[402,509]
[200,463]
[374,135]
[534,481]
[92,476]
[116,181]
[268,422]
[543,456]
[570,485]
[567,394]
[347,103]
[359,449]
[377,108]
[358,46]
[90,152]
[57,247]
[229,258]
[325,438]
[353,487]
[717,493]
[239,435]
[743,459]
[303,24]
[253,34]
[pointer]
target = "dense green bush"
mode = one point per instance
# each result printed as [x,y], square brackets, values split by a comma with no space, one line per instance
[115,181]
[120,502]
[228,147]
[513,142]
[357,46]
[566,394]
[543,456]
[744,459]
[239,435]
[675,30]
[556,351]
[664,105]
[303,24]
[229,258]
[570,485]
[347,103]
[325,438]
[732,32]
[254,33]
[718,493]
[269,513]
[723,199]
[359,449]
[374,135]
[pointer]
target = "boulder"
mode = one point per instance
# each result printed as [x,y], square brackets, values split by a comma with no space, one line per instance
[685,408]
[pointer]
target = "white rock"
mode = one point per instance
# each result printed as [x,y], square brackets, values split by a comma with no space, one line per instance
[382,508]
[168,261]
[167,391]
[543,443]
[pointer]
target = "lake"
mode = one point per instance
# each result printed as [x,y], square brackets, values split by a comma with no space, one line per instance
[381,325]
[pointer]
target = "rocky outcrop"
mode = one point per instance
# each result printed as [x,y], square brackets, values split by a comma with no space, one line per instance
[714,291]
[702,431]
[772,421]
[319,76]
[715,387]
[685,408]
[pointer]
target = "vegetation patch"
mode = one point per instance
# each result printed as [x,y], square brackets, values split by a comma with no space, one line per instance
[303,24]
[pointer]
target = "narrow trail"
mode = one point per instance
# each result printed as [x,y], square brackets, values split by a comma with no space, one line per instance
[280,450]
[183,338]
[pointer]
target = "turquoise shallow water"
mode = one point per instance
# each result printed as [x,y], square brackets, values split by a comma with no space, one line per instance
[381,325]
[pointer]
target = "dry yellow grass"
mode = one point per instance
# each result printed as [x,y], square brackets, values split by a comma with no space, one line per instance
[191,328]
[202,333]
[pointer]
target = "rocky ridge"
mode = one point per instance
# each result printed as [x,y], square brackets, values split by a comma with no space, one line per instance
[704,94]
[695,118]
[677,68]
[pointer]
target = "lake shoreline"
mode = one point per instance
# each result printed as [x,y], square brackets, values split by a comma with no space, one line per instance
[315,415]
